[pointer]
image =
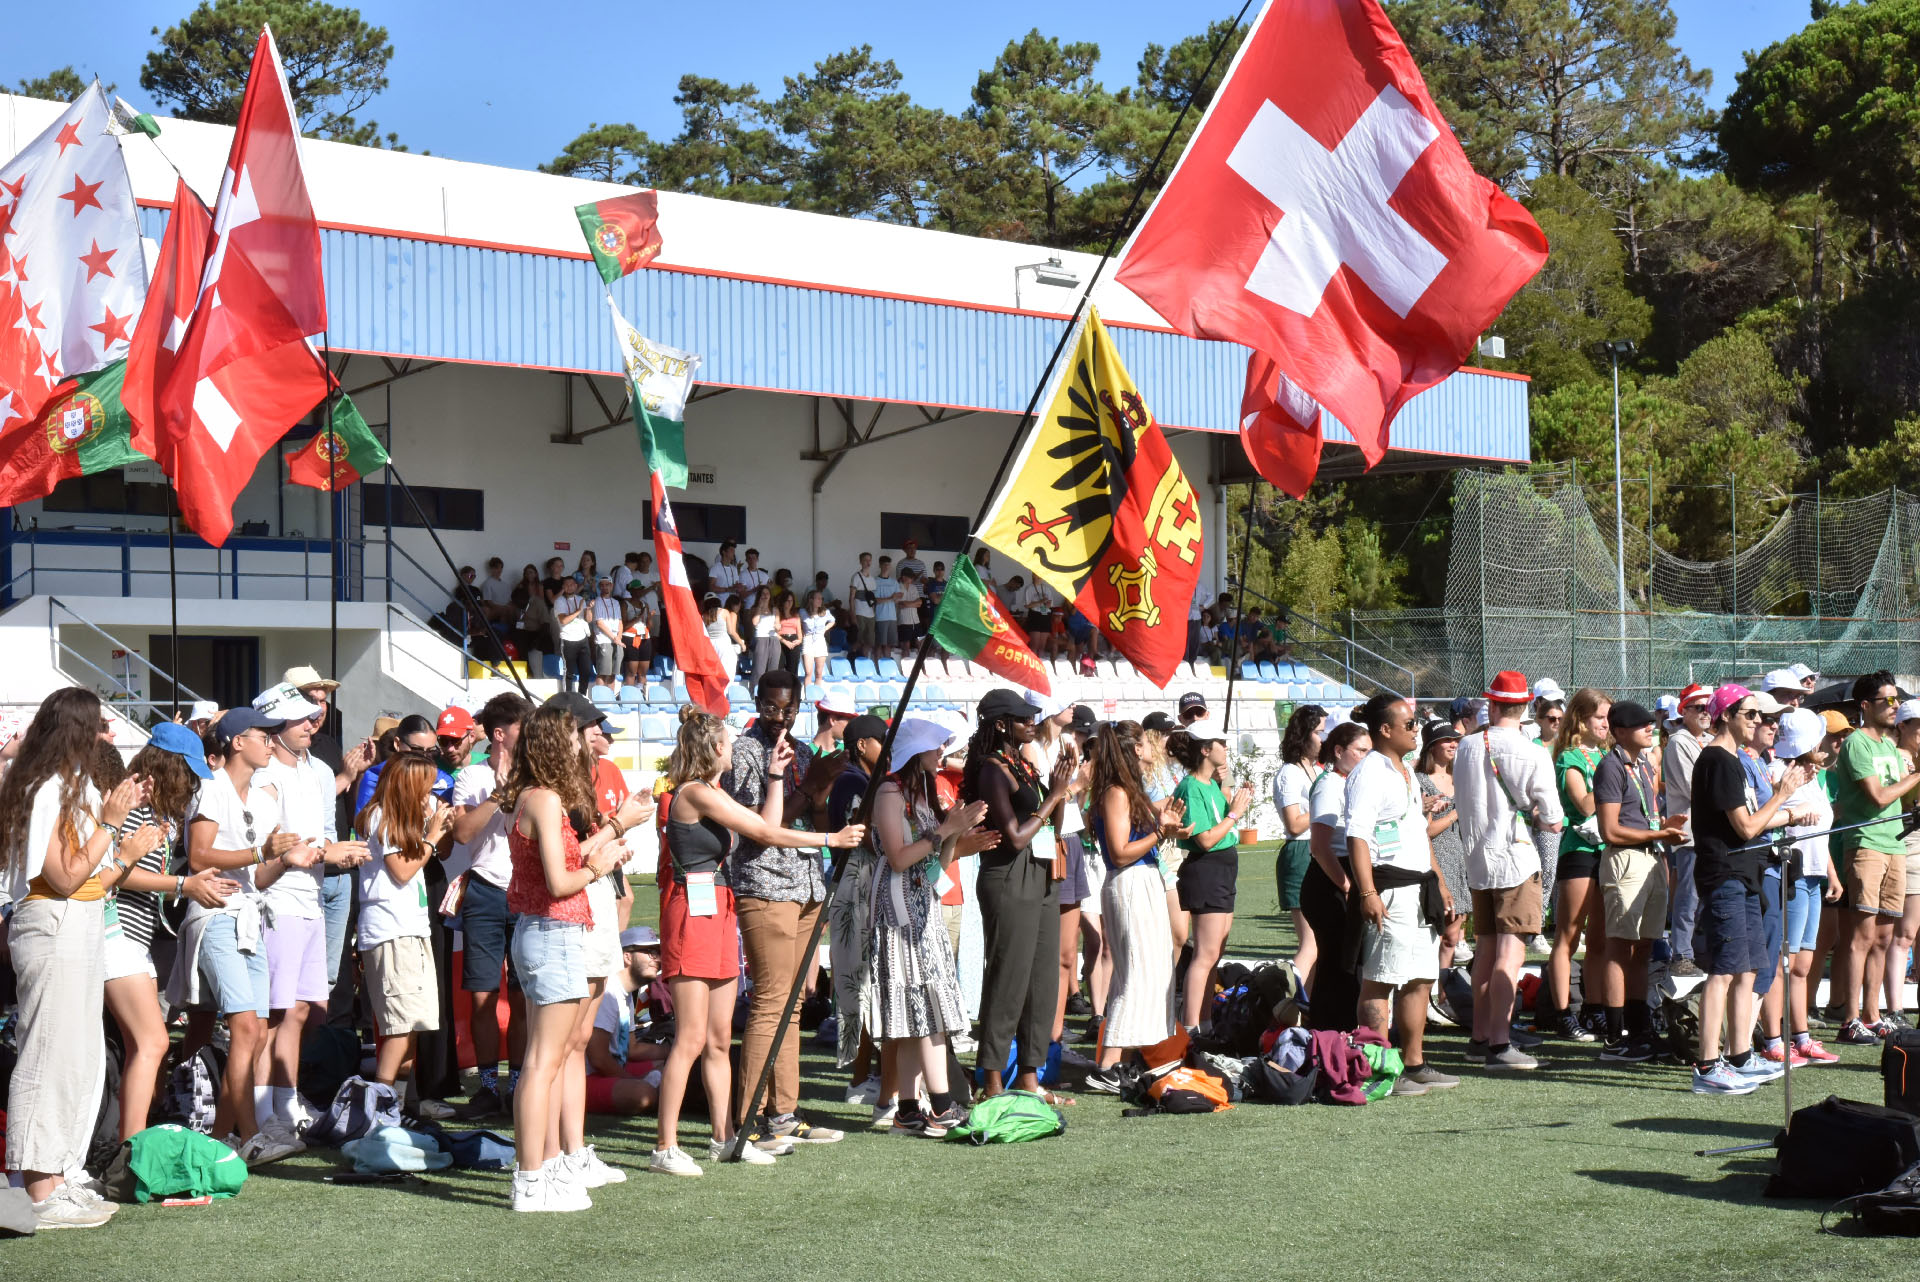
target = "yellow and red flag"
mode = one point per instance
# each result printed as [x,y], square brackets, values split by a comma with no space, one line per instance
[1098,509]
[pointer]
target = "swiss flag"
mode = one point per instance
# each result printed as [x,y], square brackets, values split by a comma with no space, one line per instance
[1325,216]
[242,372]
[163,320]
[693,649]
[1279,427]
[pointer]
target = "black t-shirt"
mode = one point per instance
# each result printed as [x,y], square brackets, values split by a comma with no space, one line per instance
[1720,785]
[845,797]
[552,587]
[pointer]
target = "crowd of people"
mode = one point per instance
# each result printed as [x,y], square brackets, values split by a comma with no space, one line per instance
[245,881]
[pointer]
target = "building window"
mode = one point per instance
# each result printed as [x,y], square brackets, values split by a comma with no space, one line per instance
[703,522]
[108,494]
[931,533]
[447,509]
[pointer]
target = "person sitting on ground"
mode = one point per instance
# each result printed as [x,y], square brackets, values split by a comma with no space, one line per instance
[623,1072]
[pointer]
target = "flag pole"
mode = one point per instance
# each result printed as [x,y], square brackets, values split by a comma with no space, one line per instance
[173,602]
[334,541]
[1239,610]
[864,813]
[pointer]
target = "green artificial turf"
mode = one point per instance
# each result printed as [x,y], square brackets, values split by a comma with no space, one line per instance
[1578,1171]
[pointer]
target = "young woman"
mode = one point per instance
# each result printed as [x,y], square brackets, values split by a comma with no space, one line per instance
[588,571]
[699,935]
[1550,715]
[1435,774]
[405,826]
[1130,827]
[791,633]
[1052,743]
[171,764]
[1804,738]
[763,625]
[1161,776]
[1324,890]
[912,594]
[1292,787]
[1907,925]
[556,854]
[1582,743]
[910,993]
[58,835]
[816,621]
[1019,889]
[1212,866]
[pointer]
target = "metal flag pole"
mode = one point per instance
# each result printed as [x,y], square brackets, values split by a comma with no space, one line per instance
[864,813]
[173,603]
[334,539]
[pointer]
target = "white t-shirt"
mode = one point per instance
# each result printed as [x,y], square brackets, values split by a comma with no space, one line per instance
[1501,848]
[1067,820]
[606,608]
[575,630]
[1326,804]
[388,909]
[861,582]
[615,1014]
[221,803]
[496,591]
[722,577]
[305,790]
[41,826]
[1379,796]
[1813,800]
[1293,786]
[766,626]
[753,580]
[486,855]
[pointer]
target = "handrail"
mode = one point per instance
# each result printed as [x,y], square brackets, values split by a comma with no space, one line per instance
[1293,618]
[466,655]
[54,602]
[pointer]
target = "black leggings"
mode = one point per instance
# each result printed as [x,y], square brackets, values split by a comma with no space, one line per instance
[576,664]
[1336,990]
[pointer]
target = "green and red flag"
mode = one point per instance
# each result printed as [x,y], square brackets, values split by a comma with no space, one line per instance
[623,233]
[973,624]
[337,457]
[82,429]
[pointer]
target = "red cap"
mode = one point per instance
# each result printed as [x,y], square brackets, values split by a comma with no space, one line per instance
[454,723]
[1695,693]
[1509,687]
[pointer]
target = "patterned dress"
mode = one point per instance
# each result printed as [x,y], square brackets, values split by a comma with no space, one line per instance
[1448,850]
[909,984]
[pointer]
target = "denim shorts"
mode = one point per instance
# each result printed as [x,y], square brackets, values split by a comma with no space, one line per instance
[1803,914]
[1769,932]
[236,981]
[550,956]
[1730,938]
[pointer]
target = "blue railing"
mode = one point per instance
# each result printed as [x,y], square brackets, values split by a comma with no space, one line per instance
[243,557]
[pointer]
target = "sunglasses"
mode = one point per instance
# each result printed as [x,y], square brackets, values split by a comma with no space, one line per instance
[1892,701]
[1748,714]
[1408,724]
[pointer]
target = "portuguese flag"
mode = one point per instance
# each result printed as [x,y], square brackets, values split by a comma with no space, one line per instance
[972,624]
[339,456]
[623,233]
[82,429]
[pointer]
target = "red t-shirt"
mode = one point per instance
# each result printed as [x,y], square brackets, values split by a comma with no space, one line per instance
[609,786]
[946,785]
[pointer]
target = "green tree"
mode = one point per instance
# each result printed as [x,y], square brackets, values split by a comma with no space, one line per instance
[1892,460]
[725,146]
[336,63]
[61,85]
[1042,104]
[610,153]
[861,147]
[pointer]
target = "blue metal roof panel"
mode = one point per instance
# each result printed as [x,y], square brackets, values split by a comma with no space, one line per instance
[434,300]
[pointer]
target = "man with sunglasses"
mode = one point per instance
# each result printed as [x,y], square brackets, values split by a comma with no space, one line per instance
[1676,771]
[1869,780]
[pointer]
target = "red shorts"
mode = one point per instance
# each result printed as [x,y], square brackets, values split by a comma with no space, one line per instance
[600,1091]
[697,947]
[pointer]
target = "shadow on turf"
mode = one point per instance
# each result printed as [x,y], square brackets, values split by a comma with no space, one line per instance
[1741,1186]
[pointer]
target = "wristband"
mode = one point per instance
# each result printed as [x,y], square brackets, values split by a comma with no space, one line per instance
[259,855]
[179,887]
[1369,894]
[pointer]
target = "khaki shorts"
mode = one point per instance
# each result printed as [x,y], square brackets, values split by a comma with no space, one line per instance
[1509,910]
[401,986]
[1633,888]
[1877,882]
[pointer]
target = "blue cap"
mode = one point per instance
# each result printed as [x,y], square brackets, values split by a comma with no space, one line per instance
[238,721]
[171,736]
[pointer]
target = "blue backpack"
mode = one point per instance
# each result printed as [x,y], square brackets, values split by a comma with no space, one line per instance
[359,1108]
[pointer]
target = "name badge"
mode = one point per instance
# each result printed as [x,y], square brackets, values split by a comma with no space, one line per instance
[1043,846]
[945,884]
[1386,840]
[701,901]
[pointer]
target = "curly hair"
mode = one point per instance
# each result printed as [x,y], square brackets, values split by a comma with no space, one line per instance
[696,757]
[549,755]
[990,738]
[173,784]
[1306,718]
[1115,754]
[1187,750]
[58,742]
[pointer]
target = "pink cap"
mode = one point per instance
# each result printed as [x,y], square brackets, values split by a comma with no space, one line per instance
[1727,696]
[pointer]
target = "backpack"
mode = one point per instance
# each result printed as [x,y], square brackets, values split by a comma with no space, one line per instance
[1244,1008]
[193,1088]
[1680,1017]
[328,1057]
[1892,1210]
[1011,1117]
[1453,996]
[1187,1090]
[358,1109]
[1272,1084]
[1842,1147]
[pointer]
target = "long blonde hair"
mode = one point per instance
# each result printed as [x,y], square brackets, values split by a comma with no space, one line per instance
[696,757]
[1573,722]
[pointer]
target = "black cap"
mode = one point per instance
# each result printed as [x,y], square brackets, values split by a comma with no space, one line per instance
[1004,703]
[1460,709]
[1628,715]
[583,710]
[1083,719]
[864,726]
[1439,732]
[1192,699]
[1158,721]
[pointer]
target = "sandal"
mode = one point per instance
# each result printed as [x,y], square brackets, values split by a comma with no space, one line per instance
[1058,1101]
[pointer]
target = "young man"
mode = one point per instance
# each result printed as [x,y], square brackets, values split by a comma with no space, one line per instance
[1868,782]
[910,562]
[609,620]
[860,592]
[1783,685]
[1504,791]
[480,854]
[295,933]
[496,594]
[752,577]
[336,887]
[1727,819]
[1633,878]
[832,712]
[455,736]
[886,610]
[623,1075]
[1191,708]
[576,645]
[725,575]
[1393,870]
[1676,771]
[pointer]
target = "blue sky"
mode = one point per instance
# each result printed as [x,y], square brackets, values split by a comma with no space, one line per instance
[510,83]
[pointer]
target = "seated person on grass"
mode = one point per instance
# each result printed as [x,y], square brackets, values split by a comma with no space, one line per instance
[622,1070]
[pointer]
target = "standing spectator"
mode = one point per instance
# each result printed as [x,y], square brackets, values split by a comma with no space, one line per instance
[1805,737]
[763,625]
[58,834]
[576,633]
[1327,890]
[910,562]
[861,593]
[1292,789]
[336,887]
[1900,946]
[823,584]
[752,577]
[983,566]
[640,572]
[886,609]
[537,631]
[609,631]
[481,856]
[1395,877]
[496,594]
[848,918]
[1581,742]
[790,632]
[719,625]
[555,578]
[1504,787]
[911,598]
[636,637]
[1196,628]
[1676,773]
[1439,744]
[936,586]
[1209,874]
[725,575]
[815,623]
[587,573]
[1161,777]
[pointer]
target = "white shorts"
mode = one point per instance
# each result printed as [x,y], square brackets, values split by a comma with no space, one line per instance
[126,957]
[1097,875]
[603,941]
[1404,950]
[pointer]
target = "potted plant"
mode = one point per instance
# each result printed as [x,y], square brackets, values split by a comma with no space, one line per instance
[1249,765]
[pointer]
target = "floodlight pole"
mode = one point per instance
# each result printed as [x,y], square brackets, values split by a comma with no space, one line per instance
[1614,350]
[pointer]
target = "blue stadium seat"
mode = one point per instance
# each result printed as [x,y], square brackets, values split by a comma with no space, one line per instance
[1268,672]
[660,694]
[737,692]
[863,669]
[889,668]
[550,666]
[632,697]
[602,696]
[656,727]
[839,667]
[868,695]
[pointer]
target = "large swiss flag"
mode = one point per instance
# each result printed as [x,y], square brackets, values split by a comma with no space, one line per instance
[1324,216]
[239,371]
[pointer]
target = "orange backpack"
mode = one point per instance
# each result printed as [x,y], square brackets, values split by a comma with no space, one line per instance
[1189,1090]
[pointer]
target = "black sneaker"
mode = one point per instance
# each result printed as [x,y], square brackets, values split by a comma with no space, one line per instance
[1569,1028]
[934,1126]
[1104,1081]
[483,1103]
[1855,1033]
[1626,1051]
[1594,1020]
[1078,1005]
[1525,1040]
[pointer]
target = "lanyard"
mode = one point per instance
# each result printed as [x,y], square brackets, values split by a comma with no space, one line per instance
[1521,811]
[1635,771]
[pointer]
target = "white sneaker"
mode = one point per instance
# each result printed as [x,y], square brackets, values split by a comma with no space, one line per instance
[269,1144]
[90,1190]
[963,1043]
[565,1190]
[750,1154]
[68,1207]
[529,1190]
[434,1110]
[591,1171]
[883,1114]
[866,1093]
[673,1161]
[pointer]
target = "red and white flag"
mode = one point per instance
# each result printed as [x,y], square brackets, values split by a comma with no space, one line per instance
[1324,215]
[1279,427]
[243,372]
[71,271]
[163,321]
[693,649]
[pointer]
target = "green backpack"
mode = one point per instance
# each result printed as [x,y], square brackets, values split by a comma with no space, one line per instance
[1009,1118]
[1387,1067]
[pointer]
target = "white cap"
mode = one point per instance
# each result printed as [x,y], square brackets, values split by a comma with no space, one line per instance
[1548,688]
[284,702]
[914,736]
[203,710]
[1801,730]
[1049,705]
[1768,705]
[837,703]
[1802,671]
[1781,679]
[1480,717]
[1203,731]
[1909,711]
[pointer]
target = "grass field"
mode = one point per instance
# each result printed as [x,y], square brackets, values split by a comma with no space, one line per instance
[1579,1171]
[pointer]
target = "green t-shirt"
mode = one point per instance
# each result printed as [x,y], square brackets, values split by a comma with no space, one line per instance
[1206,807]
[1865,756]
[1572,837]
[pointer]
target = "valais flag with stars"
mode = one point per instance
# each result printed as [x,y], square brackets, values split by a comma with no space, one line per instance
[227,359]
[71,271]
[1324,216]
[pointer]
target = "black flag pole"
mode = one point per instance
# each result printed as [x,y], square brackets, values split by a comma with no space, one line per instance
[335,541]
[864,813]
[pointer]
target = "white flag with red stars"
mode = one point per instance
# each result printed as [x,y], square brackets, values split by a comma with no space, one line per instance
[71,272]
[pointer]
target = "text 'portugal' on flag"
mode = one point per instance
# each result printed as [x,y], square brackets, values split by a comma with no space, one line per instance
[339,455]
[1098,508]
[623,233]
[972,624]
